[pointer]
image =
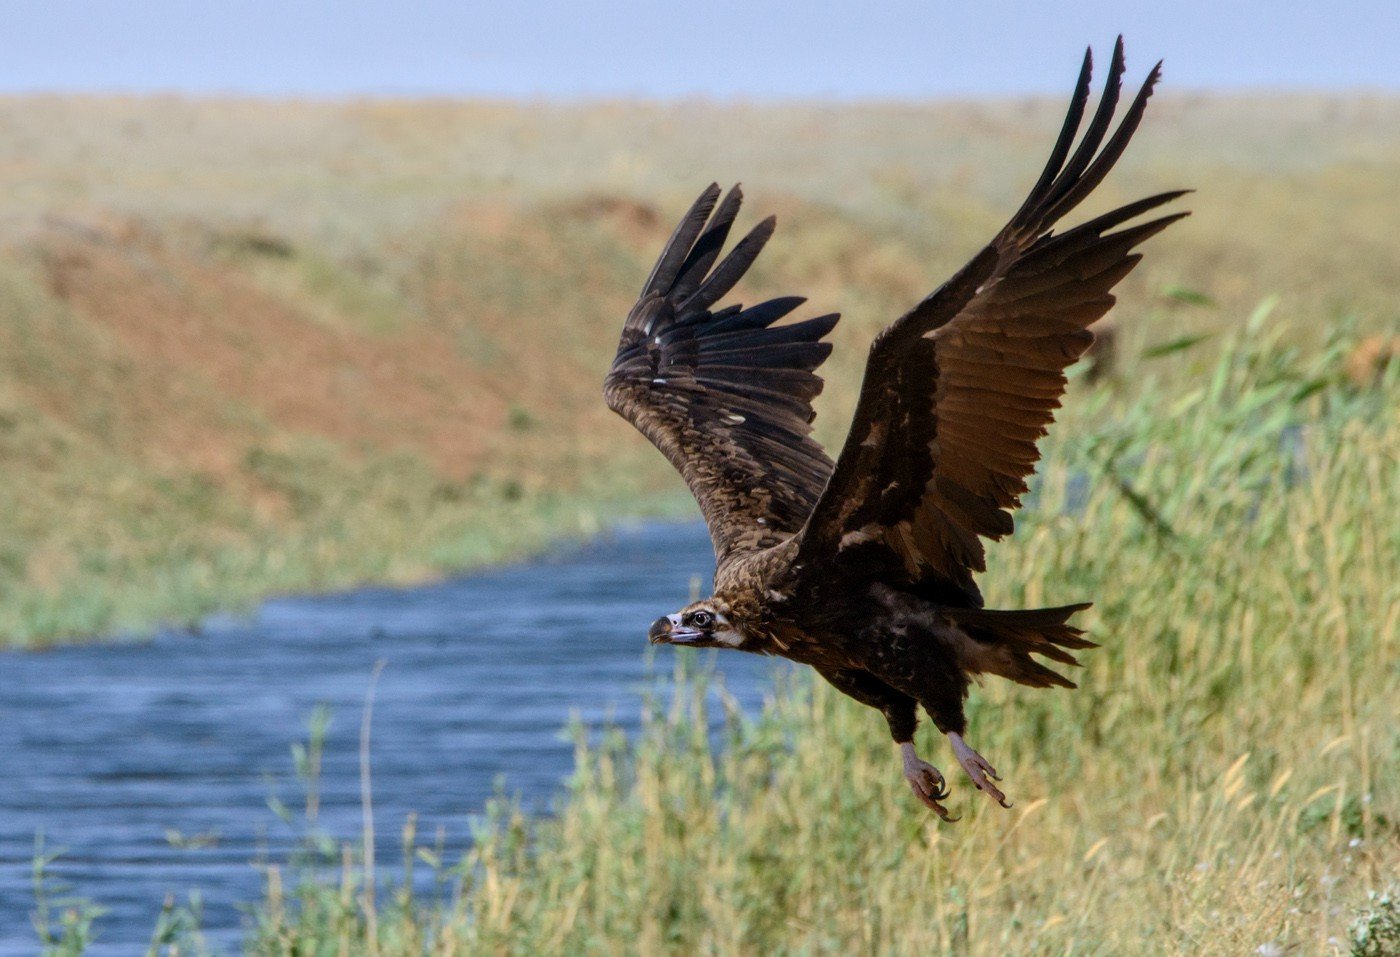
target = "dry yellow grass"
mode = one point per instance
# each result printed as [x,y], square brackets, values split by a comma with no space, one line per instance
[1223,781]
[227,327]
[249,346]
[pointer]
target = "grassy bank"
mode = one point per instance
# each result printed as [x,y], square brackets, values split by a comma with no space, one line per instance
[251,347]
[189,421]
[257,347]
[1222,782]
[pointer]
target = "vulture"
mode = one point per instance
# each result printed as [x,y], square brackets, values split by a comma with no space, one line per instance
[863,567]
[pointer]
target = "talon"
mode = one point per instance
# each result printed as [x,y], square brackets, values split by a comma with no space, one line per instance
[978,769]
[942,812]
[926,781]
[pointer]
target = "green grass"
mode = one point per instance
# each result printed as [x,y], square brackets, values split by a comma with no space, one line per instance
[1222,780]
[143,555]
[267,347]
[282,347]
[141,492]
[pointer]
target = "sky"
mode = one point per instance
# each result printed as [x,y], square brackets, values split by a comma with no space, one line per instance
[723,49]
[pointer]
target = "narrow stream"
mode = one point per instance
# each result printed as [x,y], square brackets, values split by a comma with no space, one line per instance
[113,750]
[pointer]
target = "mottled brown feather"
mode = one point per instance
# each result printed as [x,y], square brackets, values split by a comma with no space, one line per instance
[726,396]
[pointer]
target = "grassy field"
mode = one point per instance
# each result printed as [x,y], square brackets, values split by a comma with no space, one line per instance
[1223,782]
[254,347]
[251,347]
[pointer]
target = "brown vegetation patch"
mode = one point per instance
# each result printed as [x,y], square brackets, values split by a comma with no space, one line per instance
[638,221]
[1370,359]
[191,326]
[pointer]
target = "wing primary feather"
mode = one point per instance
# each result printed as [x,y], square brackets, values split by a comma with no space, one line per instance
[1098,127]
[804,331]
[708,246]
[1126,239]
[694,318]
[794,355]
[663,274]
[1056,162]
[1110,153]
[732,268]
[1038,269]
[755,317]
[1101,224]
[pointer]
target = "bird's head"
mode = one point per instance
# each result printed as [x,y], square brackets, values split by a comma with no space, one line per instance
[707,623]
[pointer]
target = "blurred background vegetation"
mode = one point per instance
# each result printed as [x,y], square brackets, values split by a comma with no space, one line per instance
[258,346]
[261,346]
[1222,782]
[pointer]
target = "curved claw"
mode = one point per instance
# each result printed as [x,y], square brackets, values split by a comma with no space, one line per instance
[927,783]
[979,770]
[980,780]
[932,795]
[942,812]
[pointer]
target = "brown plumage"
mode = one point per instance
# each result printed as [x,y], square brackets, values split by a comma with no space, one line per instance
[863,567]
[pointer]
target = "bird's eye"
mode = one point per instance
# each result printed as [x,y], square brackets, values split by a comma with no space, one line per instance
[701,619]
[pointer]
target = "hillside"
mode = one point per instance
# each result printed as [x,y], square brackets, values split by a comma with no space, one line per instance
[251,346]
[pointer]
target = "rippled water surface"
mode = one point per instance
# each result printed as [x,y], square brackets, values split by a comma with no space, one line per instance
[107,749]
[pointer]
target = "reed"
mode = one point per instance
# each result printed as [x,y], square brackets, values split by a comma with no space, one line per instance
[284,347]
[1223,781]
[270,347]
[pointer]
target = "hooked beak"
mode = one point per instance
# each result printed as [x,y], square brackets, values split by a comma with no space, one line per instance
[670,631]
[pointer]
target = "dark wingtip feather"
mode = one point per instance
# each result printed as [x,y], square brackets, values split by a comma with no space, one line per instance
[1107,157]
[755,317]
[1094,157]
[822,325]
[1073,116]
[678,247]
[707,248]
[1145,231]
[1093,136]
[732,268]
[1100,224]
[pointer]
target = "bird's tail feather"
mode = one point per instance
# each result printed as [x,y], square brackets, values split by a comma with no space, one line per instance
[1012,637]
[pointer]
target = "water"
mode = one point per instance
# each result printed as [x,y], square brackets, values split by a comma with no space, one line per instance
[106,748]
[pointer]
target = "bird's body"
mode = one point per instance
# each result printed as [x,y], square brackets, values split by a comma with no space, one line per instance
[862,567]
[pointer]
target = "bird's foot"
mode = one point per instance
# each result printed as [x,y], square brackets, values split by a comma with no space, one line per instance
[926,781]
[977,768]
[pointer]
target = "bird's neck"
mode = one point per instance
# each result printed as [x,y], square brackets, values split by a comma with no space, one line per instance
[755,588]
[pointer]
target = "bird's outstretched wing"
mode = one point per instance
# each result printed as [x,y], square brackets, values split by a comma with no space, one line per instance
[725,395]
[957,391]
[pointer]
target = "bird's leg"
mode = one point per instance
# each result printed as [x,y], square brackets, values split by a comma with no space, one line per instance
[977,768]
[899,710]
[926,780]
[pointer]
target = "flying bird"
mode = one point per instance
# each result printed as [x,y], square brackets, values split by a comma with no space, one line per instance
[863,567]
